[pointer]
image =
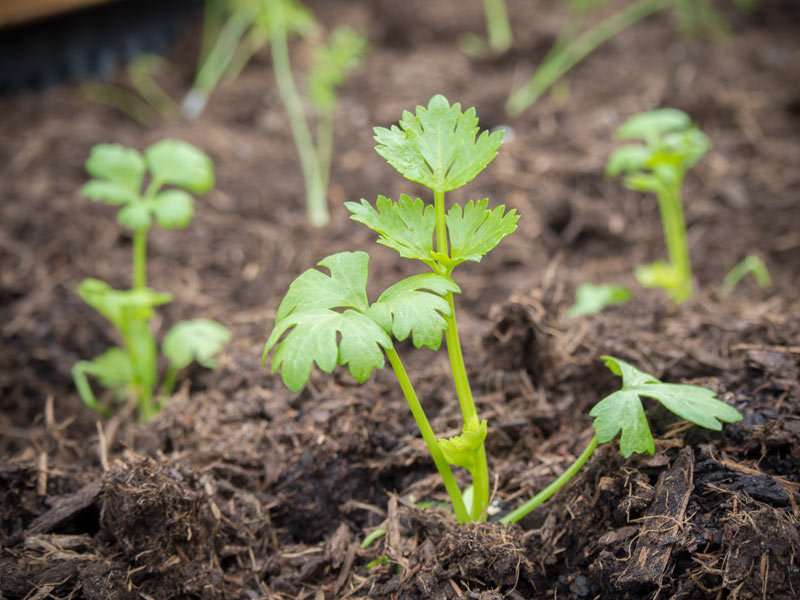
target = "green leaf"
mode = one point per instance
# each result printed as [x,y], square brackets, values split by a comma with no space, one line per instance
[117,164]
[109,192]
[590,299]
[312,338]
[173,209]
[331,64]
[407,225]
[306,313]
[623,409]
[404,309]
[135,216]
[297,18]
[113,368]
[632,157]
[179,163]
[121,306]
[437,146]
[651,125]
[659,275]
[346,287]
[198,340]
[477,230]
[462,450]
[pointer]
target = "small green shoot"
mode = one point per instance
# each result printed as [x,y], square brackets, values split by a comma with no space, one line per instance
[498,32]
[672,145]
[328,320]
[751,264]
[591,299]
[119,176]
[622,411]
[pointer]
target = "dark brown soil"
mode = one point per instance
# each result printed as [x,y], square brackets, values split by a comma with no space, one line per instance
[241,489]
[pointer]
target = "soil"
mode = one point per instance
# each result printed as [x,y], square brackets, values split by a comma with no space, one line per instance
[241,489]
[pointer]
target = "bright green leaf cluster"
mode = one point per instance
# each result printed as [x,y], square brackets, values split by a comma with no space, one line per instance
[438,146]
[119,174]
[623,411]
[309,329]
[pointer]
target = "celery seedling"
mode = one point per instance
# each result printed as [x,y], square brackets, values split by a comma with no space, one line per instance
[438,147]
[119,174]
[751,264]
[672,145]
[622,411]
[590,298]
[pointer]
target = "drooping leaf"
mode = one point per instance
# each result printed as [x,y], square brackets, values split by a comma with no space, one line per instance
[437,146]
[179,163]
[407,225]
[406,309]
[121,306]
[110,192]
[173,209]
[651,125]
[198,340]
[623,409]
[331,64]
[312,338]
[590,298]
[346,287]
[135,215]
[462,450]
[112,368]
[632,157]
[117,164]
[477,230]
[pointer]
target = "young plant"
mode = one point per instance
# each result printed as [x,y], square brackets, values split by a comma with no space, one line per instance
[672,145]
[131,369]
[570,48]
[498,31]
[591,298]
[329,320]
[751,264]
[622,411]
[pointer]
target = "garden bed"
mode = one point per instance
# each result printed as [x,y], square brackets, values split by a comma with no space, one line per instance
[242,489]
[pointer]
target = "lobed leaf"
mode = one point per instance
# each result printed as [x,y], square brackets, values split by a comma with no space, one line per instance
[406,226]
[110,192]
[118,164]
[135,215]
[405,309]
[651,125]
[173,209]
[437,146]
[121,306]
[198,340]
[632,157]
[477,230]
[179,163]
[623,409]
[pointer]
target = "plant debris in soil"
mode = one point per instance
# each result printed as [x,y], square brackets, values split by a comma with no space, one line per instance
[240,489]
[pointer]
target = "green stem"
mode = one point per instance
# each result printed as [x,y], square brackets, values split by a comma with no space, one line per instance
[497,26]
[441,223]
[561,62]
[316,201]
[325,145]
[430,438]
[673,222]
[551,489]
[140,258]
[169,381]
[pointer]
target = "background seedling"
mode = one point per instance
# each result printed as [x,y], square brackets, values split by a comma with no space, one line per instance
[751,264]
[440,148]
[131,369]
[672,145]
[590,298]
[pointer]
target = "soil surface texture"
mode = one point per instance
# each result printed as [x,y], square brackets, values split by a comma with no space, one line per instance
[242,489]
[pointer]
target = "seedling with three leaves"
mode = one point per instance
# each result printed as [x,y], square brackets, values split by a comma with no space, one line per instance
[131,370]
[672,145]
[328,320]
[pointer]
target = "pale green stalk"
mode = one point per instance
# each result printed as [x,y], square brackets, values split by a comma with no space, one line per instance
[551,489]
[574,52]
[674,223]
[429,436]
[316,201]
[325,145]
[498,28]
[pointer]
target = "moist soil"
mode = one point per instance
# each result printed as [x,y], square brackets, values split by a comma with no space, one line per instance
[241,489]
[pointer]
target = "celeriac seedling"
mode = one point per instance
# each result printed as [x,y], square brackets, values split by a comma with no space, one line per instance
[672,145]
[328,320]
[132,369]
[591,298]
[622,413]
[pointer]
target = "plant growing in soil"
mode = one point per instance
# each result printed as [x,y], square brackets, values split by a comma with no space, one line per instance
[672,145]
[622,412]
[131,369]
[438,147]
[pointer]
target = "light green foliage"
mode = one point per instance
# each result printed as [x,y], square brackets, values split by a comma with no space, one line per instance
[671,146]
[751,264]
[590,298]
[477,230]
[131,370]
[317,333]
[623,409]
[119,174]
[331,64]
[437,146]
[461,450]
